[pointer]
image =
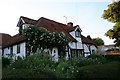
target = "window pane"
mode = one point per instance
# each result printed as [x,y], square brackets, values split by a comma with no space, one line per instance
[18,48]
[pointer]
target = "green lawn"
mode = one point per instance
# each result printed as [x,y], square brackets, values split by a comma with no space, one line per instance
[109,70]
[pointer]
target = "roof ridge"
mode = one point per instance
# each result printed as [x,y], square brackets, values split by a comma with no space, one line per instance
[27,18]
[52,21]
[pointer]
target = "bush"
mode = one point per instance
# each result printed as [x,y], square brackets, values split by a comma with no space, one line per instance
[97,59]
[34,66]
[5,62]
[41,65]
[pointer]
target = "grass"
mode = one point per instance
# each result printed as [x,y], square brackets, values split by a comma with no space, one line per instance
[109,70]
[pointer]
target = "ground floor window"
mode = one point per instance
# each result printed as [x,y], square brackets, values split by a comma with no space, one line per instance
[76,53]
[18,48]
[2,52]
[11,50]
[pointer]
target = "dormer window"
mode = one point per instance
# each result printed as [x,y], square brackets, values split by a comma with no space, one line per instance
[77,33]
[25,26]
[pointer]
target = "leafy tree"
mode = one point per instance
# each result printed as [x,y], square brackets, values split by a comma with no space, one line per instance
[40,38]
[112,14]
[98,41]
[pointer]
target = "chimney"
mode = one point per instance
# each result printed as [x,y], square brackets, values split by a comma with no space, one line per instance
[70,24]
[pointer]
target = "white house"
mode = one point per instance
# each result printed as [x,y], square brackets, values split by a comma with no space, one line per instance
[13,45]
[80,45]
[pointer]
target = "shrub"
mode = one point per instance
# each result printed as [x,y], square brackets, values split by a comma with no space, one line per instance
[5,62]
[18,64]
[42,63]
[97,59]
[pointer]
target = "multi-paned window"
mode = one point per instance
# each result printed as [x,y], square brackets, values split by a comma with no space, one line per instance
[77,33]
[76,53]
[18,48]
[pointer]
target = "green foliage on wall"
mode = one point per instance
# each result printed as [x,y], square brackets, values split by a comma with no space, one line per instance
[39,37]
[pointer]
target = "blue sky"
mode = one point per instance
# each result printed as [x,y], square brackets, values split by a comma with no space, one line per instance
[85,13]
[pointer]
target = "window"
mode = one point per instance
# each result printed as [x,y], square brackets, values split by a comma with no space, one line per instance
[18,48]
[54,51]
[2,52]
[76,53]
[77,33]
[11,50]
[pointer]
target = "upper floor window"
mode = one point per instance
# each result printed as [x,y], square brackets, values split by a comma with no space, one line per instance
[77,33]
[18,48]
[25,26]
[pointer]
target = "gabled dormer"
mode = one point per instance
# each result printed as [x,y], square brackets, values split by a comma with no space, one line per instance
[25,22]
[76,33]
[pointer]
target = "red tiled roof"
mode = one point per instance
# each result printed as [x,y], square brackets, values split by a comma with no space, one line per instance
[28,20]
[4,39]
[17,39]
[54,26]
[86,40]
[8,40]
[50,25]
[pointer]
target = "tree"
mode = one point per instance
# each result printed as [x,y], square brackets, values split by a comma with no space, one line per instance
[98,41]
[112,14]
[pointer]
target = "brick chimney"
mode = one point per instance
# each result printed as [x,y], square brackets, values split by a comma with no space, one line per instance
[70,24]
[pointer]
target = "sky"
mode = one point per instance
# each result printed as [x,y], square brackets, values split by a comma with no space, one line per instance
[85,13]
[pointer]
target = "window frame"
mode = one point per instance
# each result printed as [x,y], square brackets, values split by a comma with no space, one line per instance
[77,33]
[76,53]
[18,48]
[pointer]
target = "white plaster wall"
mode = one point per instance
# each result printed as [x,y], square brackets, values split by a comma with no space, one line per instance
[92,47]
[15,54]
[86,49]
[75,45]
[55,55]
[15,51]
[73,35]
[23,49]
[6,52]
[79,45]
[72,45]
[22,53]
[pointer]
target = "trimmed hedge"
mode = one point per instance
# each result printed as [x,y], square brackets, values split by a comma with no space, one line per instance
[112,57]
[106,71]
